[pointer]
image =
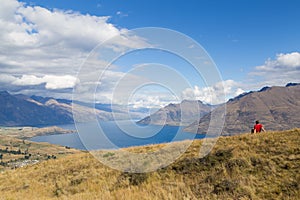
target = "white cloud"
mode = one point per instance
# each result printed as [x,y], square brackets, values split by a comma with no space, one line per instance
[33,37]
[35,26]
[59,82]
[283,69]
[279,71]
[39,34]
[289,60]
[4,78]
[68,28]
[51,82]
[42,46]
[28,80]
[111,87]
[152,100]
[216,94]
[238,92]
[37,39]
[7,9]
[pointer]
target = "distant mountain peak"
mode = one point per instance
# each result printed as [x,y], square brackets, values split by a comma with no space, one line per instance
[240,96]
[183,113]
[292,84]
[20,109]
[264,89]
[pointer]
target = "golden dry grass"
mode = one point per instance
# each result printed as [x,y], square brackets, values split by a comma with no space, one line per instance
[262,166]
[13,151]
[29,132]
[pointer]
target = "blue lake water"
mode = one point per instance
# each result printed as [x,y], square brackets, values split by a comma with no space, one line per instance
[113,135]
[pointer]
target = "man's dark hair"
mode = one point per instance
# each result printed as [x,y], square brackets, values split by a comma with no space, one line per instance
[257,122]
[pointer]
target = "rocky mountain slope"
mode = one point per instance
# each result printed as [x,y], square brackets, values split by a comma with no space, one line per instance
[178,114]
[277,108]
[22,110]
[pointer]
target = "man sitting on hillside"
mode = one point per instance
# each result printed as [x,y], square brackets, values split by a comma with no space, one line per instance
[258,127]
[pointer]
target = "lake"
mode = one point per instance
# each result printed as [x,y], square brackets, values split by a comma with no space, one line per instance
[117,134]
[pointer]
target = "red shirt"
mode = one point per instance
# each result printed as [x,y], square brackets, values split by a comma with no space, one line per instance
[258,127]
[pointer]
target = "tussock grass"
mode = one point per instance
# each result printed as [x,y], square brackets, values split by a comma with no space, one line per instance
[261,166]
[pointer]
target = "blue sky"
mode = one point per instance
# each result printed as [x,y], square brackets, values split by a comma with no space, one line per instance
[238,34]
[253,43]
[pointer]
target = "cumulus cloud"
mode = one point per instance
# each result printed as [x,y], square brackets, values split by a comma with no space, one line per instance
[4,78]
[51,82]
[279,71]
[40,46]
[282,62]
[35,39]
[34,26]
[216,94]
[42,49]
[148,99]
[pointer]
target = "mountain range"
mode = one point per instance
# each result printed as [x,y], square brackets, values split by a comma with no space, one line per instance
[277,108]
[23,110]
[183,113]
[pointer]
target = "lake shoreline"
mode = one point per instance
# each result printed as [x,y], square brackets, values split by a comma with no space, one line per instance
[116,135]
[28,132]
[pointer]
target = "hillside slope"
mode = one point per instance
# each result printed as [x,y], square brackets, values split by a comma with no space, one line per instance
[261,166]
[22,110]
[16,153]
[18,110]
[276,107]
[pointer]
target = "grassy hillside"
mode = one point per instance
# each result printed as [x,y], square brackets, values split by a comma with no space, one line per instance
[29,132]
[262,166]
[16,153]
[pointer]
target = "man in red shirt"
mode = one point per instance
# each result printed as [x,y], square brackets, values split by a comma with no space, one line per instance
[258,127]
